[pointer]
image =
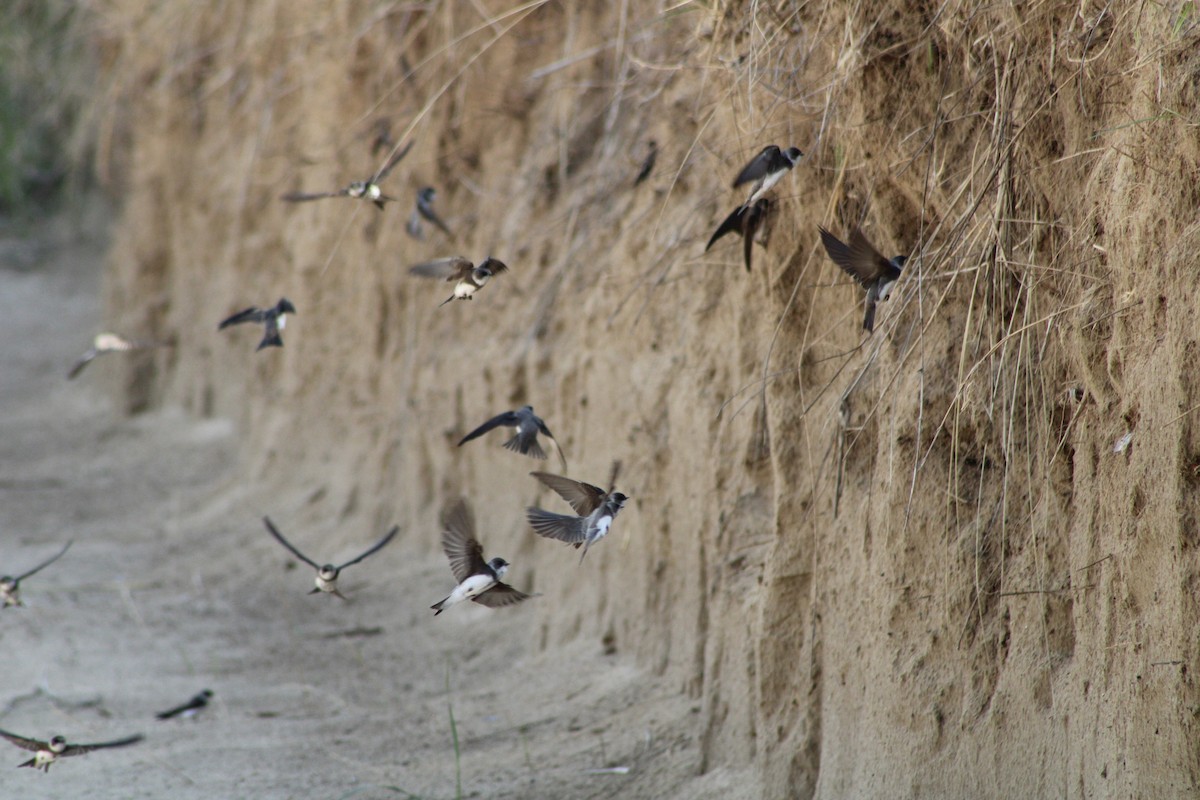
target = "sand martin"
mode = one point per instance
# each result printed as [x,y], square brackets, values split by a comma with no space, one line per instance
[423,209]
[861,261]
[467,279]
[189,709]
[327,574]
[525,442]
[478,580]
[766,169]
[648,164]
[596,509]
[745,220]
[108,343]
[274,319]
[46,753]
[10,587]
[360,190]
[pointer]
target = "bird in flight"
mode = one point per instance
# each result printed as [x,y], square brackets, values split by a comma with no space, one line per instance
[327,574]
[524,441]
[595,508]
[273,320]
[423,209]
[860,260]
[467,278]
[360,190]
[478,580]
[10,586]
[105,343]
[46,753]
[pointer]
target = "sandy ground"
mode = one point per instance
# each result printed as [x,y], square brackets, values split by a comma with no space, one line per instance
[172,586]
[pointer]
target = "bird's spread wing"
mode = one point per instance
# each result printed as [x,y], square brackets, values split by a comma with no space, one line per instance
[23,743]
[572,530]
[500,595]
[83,361]
[373,548]
[508,418]
[80,749]
[859,260]
[494,265]
[391,164]
[252,314]
[450,268]
[459,543]
[583,497]
[758,166]
[279,537]
[46,563]
[301,197]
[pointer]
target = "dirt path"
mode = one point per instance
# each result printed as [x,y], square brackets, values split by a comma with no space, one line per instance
[172,586]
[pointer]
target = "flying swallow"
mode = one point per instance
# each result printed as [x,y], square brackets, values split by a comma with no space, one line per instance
[478,580]
[424,209]
[766,169]
[46,753]
[108,343]
[10,587]
[359,190]
[189,709]
[525,442]
[745,220]
[274,319]
[861,261]
[467,279]
[327,574]
[648,164]
[596,509]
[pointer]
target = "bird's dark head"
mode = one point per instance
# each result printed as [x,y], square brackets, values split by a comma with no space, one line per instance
[58,743]
[499,566]
[284,306]
[328,572]
[492,266]
[206,694]
[8,582]
[526,409]
[900,261]
[618,499]
[427,194]
[794,154]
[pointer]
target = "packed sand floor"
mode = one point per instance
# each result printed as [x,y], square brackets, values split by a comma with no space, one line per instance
[173,586]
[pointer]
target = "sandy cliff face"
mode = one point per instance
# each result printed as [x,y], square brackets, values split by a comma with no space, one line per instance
[906,564]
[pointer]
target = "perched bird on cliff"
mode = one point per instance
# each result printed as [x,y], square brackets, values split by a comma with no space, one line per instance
[766,169]
[108,343]
[327,574]
[648,164]
[745,220]
[478,580]
[423,209]
[274,319]
[360,190]
[46,753]
[467,279]
[524,441]
[189,709]
[10,587]
[596,509]
[861,261]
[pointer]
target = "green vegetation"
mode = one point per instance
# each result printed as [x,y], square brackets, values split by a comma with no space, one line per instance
[46,75]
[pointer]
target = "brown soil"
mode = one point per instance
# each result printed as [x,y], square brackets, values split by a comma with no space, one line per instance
[903,565]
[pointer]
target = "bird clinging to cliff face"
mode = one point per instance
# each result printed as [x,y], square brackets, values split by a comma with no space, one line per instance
[467,279]
[524,441]
[273,319]
[478,580]
[596,509]
[46,753]
[861,261]
[746,220]
[10,586]
[360,190]
[766,169]
[327,574]
[423,209]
